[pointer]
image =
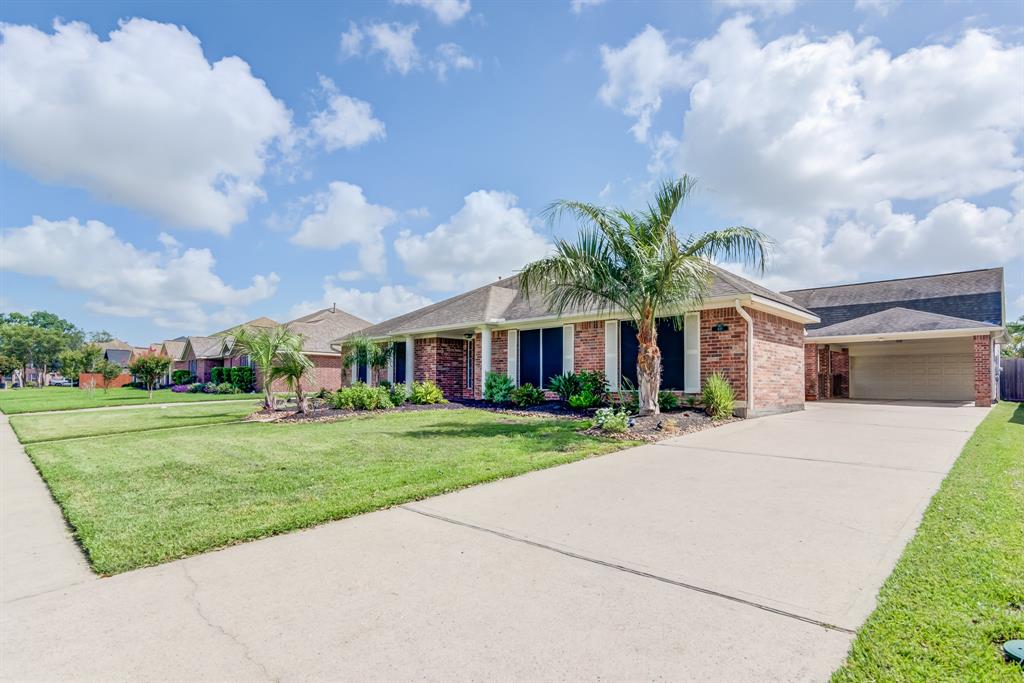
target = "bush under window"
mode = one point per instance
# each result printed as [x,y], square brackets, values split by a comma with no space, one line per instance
[426,392]
[526,395]
[498,387]
[718,397]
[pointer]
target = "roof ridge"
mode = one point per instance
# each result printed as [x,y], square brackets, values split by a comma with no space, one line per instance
[893,279]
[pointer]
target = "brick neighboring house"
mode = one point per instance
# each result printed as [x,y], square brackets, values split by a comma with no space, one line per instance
[935,337]
[173,349]
[752,335]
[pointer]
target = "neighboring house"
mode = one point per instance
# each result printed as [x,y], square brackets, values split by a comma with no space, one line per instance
[318,330]
[201,354]
[121,357]
[929,338]
[173,349]
[751,335]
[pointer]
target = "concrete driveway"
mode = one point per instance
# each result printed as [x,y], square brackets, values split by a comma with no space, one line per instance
[749,552]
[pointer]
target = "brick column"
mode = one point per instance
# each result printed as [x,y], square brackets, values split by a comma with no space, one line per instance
[810,372]
[824,371]
[982,370]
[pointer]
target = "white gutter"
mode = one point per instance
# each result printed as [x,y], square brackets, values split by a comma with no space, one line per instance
[897,336]
[750,356]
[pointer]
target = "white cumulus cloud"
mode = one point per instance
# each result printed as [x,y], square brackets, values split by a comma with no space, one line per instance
[387,302]
[450,56]
[342,215]
[141,119]
[446,11]
[347,122]
[396,42]
[175,290]
[489,237]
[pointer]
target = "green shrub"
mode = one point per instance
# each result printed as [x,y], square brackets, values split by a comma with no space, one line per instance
[718,397]
[498,387]
[217,375]
[667,400]
[227,388]
[611,420]
[426,392]
[583,400]
[242,377]
[361,396]
[526,395]
[565,385]
[397,393]
[691,401]
[196,388]
[595,382]
[182,377]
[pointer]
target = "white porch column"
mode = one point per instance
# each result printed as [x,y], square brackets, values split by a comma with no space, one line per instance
[355,373]
[485,356]
[391,368]
[568,348]
[611,353]
[513,355]
[691,353]
[410,359]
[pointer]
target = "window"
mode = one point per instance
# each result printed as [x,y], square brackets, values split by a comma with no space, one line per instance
[670,342]
[193,366]
[361,372]
[399,362]
[540,355]
[469,363]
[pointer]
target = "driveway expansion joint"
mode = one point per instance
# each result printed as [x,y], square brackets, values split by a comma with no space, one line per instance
[631,570]
[827,461]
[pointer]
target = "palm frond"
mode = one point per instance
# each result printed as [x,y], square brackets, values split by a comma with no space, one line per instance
[738,244]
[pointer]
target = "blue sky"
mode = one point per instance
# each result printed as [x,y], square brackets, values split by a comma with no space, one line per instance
[176,168]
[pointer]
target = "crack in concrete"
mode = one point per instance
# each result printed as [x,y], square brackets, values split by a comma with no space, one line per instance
[246,652]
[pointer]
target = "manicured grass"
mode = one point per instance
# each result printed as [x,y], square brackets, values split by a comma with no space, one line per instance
[14,401]
[75,423]
[958,591]
[157,496]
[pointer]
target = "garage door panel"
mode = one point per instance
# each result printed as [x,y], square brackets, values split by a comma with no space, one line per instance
[937,376]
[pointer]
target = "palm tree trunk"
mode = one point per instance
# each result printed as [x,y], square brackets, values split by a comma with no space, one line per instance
[300,397]
[268,395]
[648,367]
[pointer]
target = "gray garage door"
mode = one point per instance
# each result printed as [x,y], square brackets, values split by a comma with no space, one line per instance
[905,374]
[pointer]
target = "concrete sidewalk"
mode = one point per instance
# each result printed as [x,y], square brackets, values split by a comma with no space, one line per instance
[747,552]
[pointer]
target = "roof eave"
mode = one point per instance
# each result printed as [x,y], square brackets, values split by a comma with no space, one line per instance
[899,336]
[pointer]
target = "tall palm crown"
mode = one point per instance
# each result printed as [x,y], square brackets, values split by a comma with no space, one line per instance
[635,262]
[266,347]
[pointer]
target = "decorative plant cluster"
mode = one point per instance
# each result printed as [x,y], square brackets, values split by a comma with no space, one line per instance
[385,396]
[498,387]
[718,397]
[242,378]
[615,420]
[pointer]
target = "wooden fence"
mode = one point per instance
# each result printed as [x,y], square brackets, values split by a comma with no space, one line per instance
[1011,379]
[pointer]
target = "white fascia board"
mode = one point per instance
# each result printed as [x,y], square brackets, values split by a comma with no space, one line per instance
[897,336]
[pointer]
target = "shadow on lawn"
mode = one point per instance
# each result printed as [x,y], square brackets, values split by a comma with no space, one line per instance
[1018,415]
[534,429]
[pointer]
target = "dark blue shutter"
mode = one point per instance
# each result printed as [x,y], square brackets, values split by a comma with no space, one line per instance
[552,341]
[361,372]
[399,362]
[529,357]
[628,350]
[670,342]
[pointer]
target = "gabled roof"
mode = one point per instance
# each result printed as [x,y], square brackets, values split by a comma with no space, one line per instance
[122,357]
[898,321]
[503,301]
[204,347]
[114,344]
[320,328]
[902,289]
[262,321]
[174,347]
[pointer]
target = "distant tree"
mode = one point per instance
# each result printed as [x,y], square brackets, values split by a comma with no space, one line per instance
[293,366]
[16,341]
[8,365]
[108,371]
[1015,349]
[47,345]
[149,369]
[100,336]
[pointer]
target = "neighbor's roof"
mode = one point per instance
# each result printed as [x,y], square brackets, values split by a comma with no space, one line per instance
[504,301]
[120,357]
[262,321]
[115,344]
[174,347]
[320,328]
[898,320]
[902,289]
[206,347]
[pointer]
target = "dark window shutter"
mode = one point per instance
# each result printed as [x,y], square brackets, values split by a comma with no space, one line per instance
[529,357]
[670,342]
[399,362]
[552,340]
[628,349]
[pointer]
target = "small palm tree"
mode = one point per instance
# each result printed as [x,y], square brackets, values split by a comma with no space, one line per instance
[266,347]
[636,263]
[293,367]
[368,353]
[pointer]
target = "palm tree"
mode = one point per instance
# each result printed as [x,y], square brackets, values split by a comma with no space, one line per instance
[365,352]
[635,262]
[266,347]
[293,367]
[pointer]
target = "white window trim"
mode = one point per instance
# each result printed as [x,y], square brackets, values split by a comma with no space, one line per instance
[611,353]
[568,348]
[691,353]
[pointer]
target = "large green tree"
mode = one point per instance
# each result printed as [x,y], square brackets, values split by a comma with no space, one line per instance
[634,262]
[266,347]
[1015,349]
[149,369]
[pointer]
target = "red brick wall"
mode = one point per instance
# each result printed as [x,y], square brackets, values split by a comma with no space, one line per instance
[326,375]
[841,367]
[724,352]
[982,370]
[778,363]
[94,380]
[810,372]
[442,361]
[499,358]
[588,346]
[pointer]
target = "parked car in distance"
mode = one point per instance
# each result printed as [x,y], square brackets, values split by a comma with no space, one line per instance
[61,382]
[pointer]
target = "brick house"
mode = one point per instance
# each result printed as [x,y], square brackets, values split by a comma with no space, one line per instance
[922,338]
[752,335]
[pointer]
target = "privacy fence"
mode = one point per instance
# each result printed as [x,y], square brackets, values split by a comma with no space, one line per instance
[1011,379]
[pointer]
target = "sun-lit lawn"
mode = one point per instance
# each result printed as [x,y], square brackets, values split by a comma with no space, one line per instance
[75,423]
[31,400]
[958,591]
[149,497]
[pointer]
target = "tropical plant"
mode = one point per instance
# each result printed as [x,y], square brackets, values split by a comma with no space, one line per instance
[149,369]
[636,264]
[718,397]
[293,367]
[108,372]
[426,392]
[498,387]
[526,395]
[565,385]
[266,347]
[364,352]
[584,400]
[611,420]
[667,401]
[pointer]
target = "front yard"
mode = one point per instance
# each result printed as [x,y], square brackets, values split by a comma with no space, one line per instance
[35,399]
[958,591]
[149,497]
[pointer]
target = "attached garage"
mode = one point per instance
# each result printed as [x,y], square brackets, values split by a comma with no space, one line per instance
[933,370]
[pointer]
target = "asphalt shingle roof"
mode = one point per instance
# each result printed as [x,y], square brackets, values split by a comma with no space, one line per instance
[174,348]
[897,320]
[902,289]
[122,357]
[320,328]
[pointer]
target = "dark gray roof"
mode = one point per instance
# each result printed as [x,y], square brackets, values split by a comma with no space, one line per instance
[895,321]
[504,301]
[902,289]
[122,357]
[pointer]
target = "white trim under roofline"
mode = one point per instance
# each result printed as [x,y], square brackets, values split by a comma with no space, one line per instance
[897,336]
[754,301]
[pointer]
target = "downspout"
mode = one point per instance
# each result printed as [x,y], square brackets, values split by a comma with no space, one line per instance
[750,356]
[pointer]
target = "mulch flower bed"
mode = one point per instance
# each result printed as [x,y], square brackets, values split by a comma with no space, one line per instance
[645,428]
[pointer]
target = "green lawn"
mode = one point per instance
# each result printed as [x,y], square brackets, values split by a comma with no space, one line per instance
[157,496]
[14,401]
[75,423]
[958,591]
